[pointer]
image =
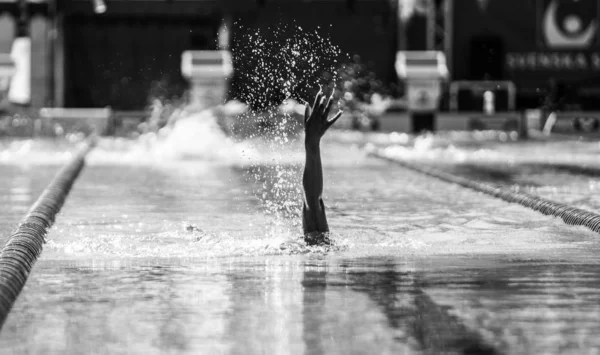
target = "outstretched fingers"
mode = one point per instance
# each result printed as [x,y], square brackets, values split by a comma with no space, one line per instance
[322,104]
[321,108]
[306,112]
[318,99]
[328,106]
[333,119]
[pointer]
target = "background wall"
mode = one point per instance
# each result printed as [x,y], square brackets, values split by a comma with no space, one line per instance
[364,31]
[508,40]
[124,61]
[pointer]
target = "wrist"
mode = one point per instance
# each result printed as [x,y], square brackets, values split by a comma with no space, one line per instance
[312,144]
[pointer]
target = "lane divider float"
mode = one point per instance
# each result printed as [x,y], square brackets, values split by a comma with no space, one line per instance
[25,244]
[570,215]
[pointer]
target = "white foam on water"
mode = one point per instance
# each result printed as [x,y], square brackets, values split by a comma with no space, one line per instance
[487,147]
[37,151]
[176,242]
[196,137]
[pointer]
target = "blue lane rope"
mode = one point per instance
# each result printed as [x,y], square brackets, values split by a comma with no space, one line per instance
[570,215]
[25,245]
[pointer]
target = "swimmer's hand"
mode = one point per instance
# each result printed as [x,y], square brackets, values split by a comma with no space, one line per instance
[315,119]
[314,220]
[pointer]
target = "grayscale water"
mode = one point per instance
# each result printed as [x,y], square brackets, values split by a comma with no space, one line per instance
[418,265]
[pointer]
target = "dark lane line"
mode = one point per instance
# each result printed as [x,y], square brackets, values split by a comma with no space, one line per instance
[506,176]
[25,245]
[587,171]
[514,174]
[570,215]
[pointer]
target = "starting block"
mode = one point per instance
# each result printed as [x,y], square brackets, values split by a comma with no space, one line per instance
[207,71]
[423,72]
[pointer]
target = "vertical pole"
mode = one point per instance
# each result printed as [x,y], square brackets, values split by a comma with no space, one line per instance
[51,53]
[7,31]
[58,68]
[401,28]
[224,33]
[22,23]
[39,32]
[431,14]
[20,89]
[224,43]
[448,36]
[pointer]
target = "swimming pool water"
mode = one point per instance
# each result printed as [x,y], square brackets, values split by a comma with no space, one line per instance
[418,265]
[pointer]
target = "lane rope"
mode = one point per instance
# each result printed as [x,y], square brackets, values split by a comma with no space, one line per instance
[25,244]
[570,215]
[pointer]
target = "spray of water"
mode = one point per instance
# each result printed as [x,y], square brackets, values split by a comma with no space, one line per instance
[281,62]
[277,69]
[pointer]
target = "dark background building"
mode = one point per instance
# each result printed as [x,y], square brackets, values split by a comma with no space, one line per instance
[132,52]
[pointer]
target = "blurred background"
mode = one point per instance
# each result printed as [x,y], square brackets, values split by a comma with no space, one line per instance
[126,54]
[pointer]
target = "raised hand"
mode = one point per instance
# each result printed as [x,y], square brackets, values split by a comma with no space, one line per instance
[316,122]
[314,220]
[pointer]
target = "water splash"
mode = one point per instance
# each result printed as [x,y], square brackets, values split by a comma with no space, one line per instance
[280,67]
[281,62]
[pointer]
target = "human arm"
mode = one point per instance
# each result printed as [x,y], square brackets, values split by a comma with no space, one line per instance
[314,220]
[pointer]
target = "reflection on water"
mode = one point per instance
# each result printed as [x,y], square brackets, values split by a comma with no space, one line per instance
[294,305]
[542,307]
[409,309]
[115,309]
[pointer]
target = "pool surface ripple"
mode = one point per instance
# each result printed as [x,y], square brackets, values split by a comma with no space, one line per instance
[418,265]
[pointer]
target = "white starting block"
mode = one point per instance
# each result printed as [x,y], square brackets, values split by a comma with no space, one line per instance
[207,72]
[423,72]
